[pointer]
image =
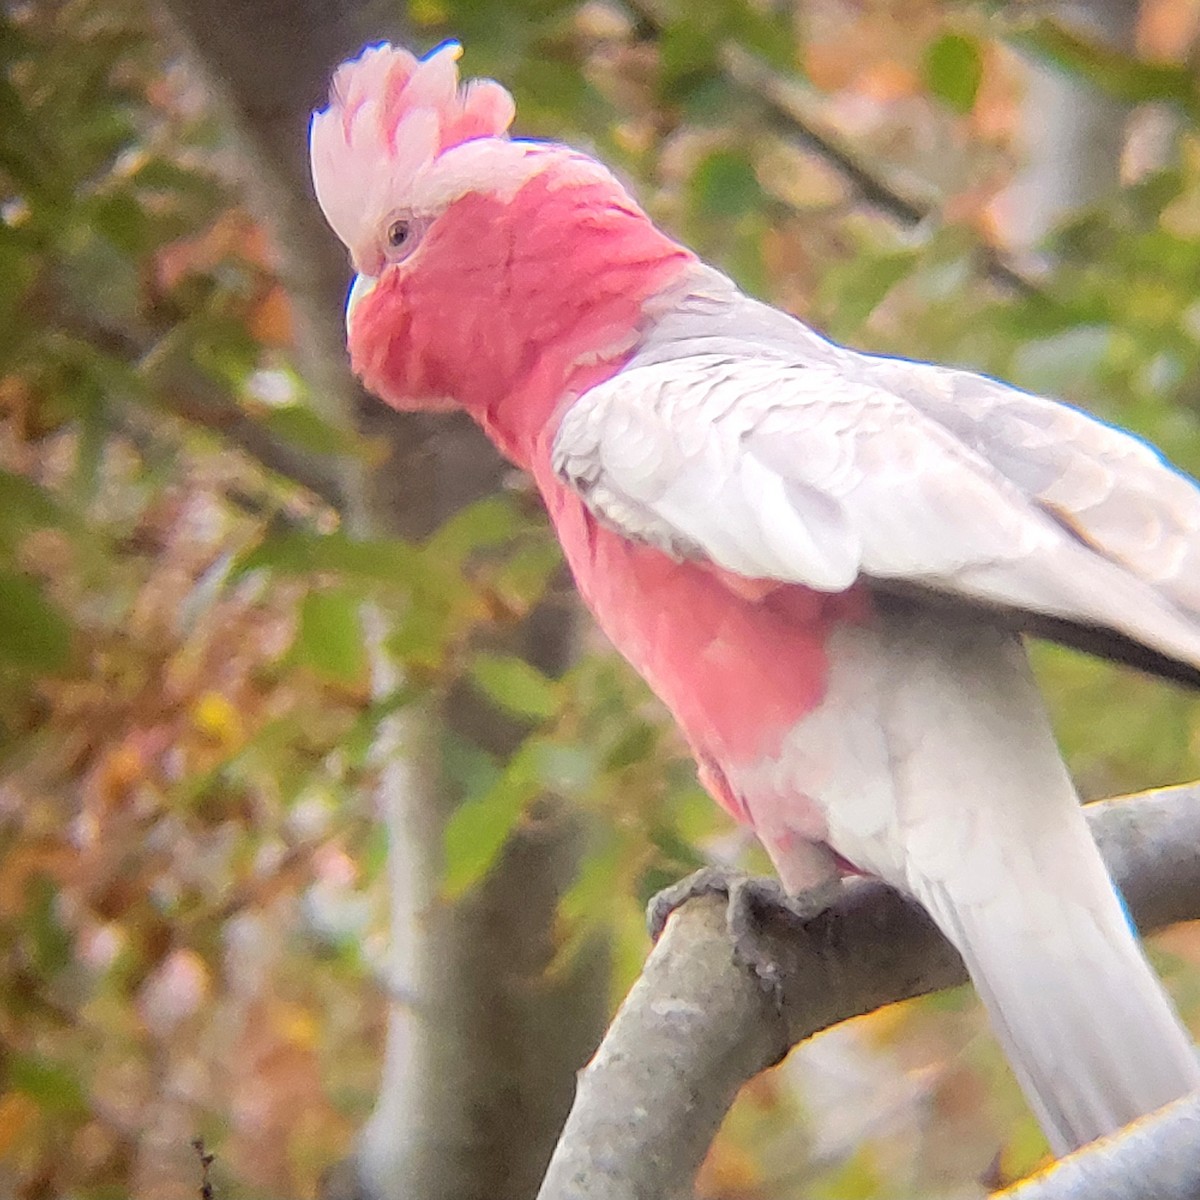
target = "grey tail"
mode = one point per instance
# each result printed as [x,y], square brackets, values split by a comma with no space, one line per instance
[1087,1027]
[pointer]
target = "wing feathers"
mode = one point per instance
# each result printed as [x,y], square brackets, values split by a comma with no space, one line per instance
[818,473]
[1112,490]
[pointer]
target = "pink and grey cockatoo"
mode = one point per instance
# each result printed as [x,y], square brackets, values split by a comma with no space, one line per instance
[822,561]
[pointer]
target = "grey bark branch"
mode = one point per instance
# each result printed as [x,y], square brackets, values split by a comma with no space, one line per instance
[1157,1158]
[696,1026]
[908,202]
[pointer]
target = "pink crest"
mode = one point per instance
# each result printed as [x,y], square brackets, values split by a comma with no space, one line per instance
[390,114]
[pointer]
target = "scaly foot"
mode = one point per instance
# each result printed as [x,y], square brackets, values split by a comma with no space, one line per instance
[751,899]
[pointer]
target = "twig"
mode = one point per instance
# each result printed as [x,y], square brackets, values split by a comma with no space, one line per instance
[907,202]
[1108,68]
[781,101]
[206,1161]
[899,201]
[185,392]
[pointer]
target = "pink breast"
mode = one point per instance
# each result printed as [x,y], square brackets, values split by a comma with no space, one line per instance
[737,665]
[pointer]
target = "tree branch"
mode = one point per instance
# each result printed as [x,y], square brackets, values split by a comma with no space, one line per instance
[908,203]
[696,1026]
[787,112]
[187,393]
[1153,1159]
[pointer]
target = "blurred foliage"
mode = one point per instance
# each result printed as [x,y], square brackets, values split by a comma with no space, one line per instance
[191,884]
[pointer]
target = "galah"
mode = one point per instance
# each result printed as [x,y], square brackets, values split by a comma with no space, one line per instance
[822,561]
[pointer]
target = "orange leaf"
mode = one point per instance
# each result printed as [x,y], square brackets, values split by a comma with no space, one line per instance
[18,1115]
[1168,29]
[1182,940]
[271,318]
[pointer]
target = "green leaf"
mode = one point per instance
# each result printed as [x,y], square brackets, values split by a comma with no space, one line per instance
[300,425]
[516,686]
[25,506]
[330,637]
[55,1089]
[687,56]
[724,186]
[634,745]
[953,69]
[199,192]
[34,635]
[744,258]
[19,266]
[712,100]
[300,552]
[50,942]
[855,1178]
[483,525]
[422,633]
[527,572]
[552,92]
[767,30]
[1111,70]
[467,769]
[858,289]
[480,826]
[23,151]
[118,216]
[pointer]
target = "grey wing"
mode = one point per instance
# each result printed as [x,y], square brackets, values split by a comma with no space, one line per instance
[1112,490]
[820,474]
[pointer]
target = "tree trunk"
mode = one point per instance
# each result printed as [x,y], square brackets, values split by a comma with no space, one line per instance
[482,1049]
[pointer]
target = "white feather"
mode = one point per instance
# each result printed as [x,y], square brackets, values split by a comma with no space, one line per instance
[822,465]
[934,767]
[739,436]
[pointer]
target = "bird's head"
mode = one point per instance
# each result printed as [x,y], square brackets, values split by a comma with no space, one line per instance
[486,265]
[380,151]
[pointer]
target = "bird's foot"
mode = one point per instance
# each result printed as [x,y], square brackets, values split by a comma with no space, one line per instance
[752,900]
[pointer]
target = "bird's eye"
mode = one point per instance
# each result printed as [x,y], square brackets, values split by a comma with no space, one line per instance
[397,234]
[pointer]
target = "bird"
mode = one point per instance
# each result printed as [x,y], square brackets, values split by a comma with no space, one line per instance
[824,562]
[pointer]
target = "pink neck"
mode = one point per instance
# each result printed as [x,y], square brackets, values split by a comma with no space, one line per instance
[511,306]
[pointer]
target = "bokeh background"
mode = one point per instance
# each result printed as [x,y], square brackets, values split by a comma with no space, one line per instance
[325,824]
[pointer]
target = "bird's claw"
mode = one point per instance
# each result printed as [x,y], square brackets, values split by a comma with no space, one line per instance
[751,901]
